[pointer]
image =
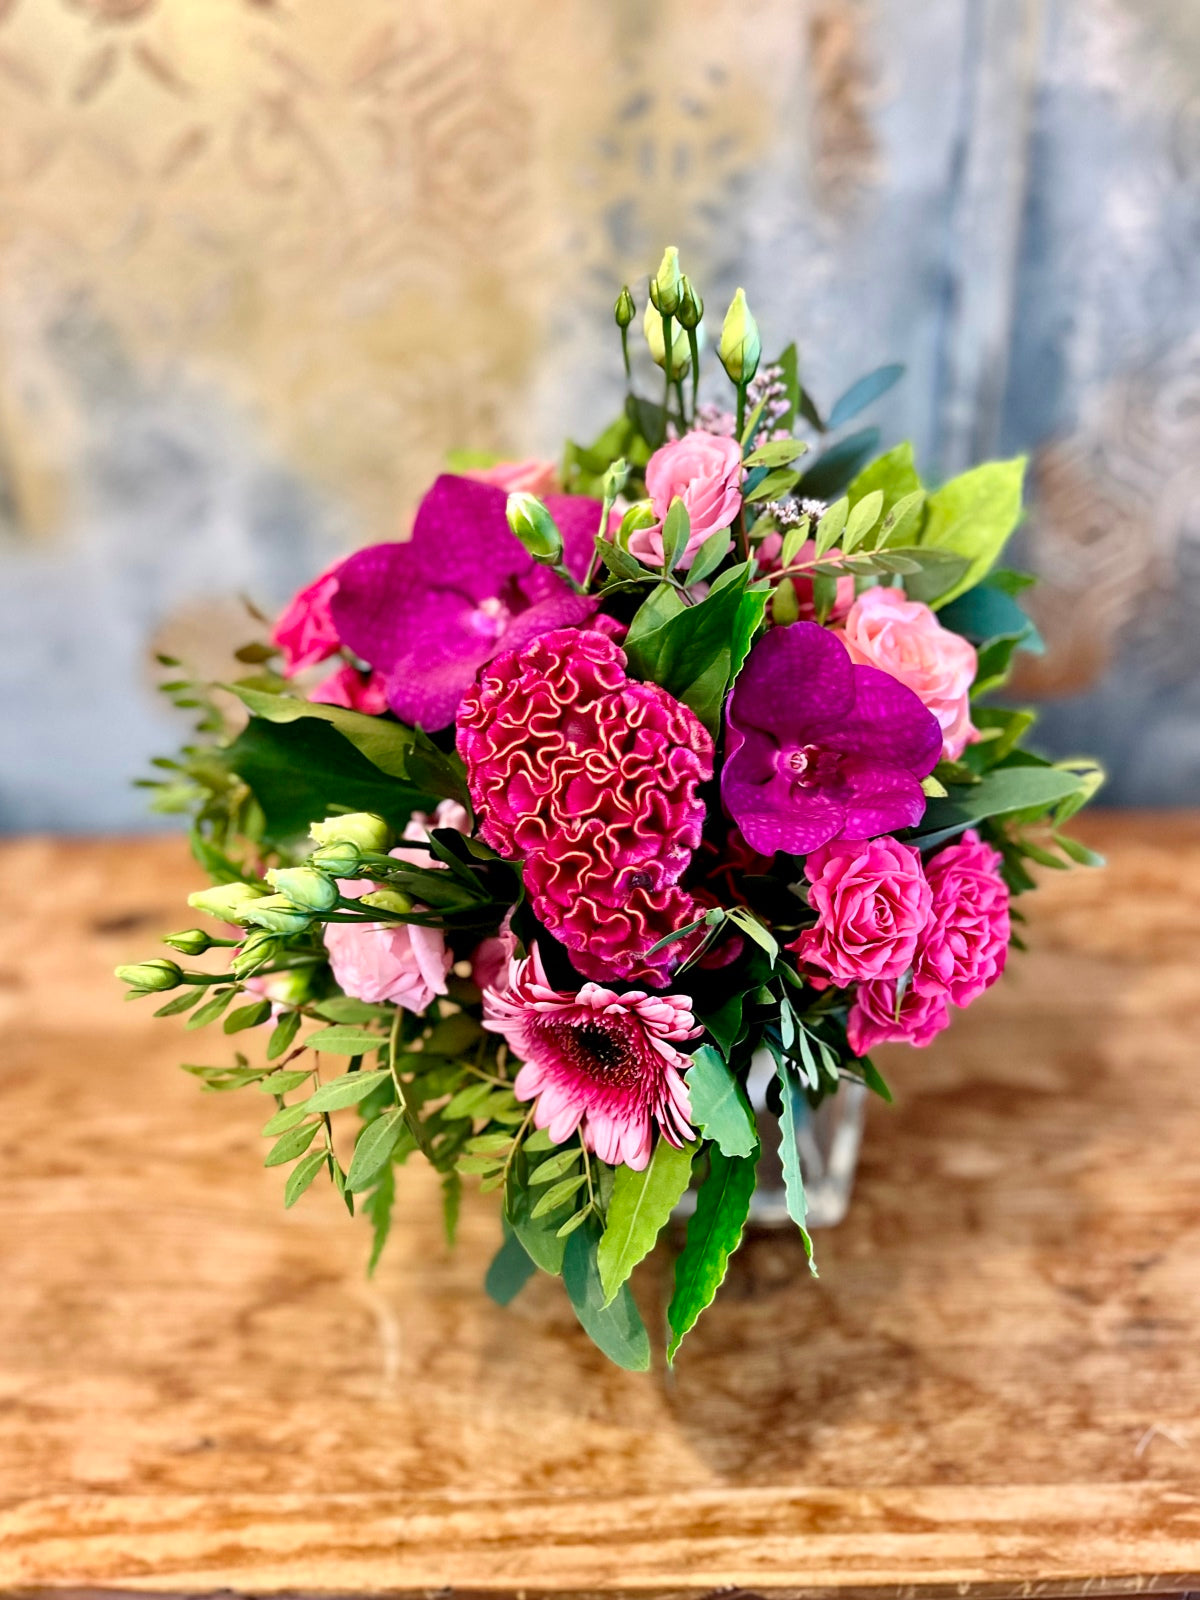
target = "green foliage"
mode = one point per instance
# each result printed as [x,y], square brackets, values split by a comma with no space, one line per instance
[640,1208]
[832,473]
[509,1272]
[863,393]
[1001,792]
[378,1209]
[374,1148]
[614,1326]
[720,1108]
[972,516]
[988,612]
[714,1232]
[892,474]
[302,1175]
[792,1113]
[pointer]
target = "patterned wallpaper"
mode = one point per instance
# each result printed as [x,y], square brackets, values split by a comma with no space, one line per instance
[263,261]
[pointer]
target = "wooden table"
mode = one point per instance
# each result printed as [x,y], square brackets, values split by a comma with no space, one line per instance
[992,1389]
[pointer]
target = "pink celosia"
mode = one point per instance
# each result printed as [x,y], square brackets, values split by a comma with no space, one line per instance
[965,943]
[872,901]
[357,691]
[597,1061]
[874,1018]
[397,961]
[903,637]
[703,471]
[591,780]
[305,632]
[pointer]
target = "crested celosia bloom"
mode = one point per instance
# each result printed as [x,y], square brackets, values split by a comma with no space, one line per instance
[965,943]
[429,613]
[597,1061]
[703,471]
[875,1019]
[872,903]
[821,749]
[591,780]
[885,629]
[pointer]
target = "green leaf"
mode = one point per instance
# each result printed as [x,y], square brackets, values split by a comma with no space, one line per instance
[753,928]
[286,1117]
[640,1207]
[451,1205]
[714,1232]
[614,1326]
[831,473]
[619,562]
[1078,851]
[676,528]
[893,474]
[247,1016]
[774,486]
[864,393]
[538,1235]
[725,1023]
[939,571]
[302,1175]
[556,1166]
[659,606]
[345,1041]
[283,1082]
[973,515]
[347,1090]
[211,1009]
[900,525]
[283,1034]
[557,1195]
[789,1157]
[985,613]
[341,1008]
[787,364]
[467,1102]
[720,1108]
[291,1144]
[709,556]
[829,529]
[776,453]
[509,1272]
[378,1208]
[863,517]
[181,1002]
[374,1148]
[998,792]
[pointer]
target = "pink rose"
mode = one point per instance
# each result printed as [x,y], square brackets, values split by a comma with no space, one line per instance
[703,471]
[491,962]
[872,901]
[447,814]
[965,943]
[530,476]
[904,638]
[873,1019]
[396,961]
[357,691]
[305,631]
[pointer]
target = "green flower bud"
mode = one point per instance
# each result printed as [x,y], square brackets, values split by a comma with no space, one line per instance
[228,901]
[192,942]
[785,603]
[369,833]
[151,977]
[614,479]
[624,311]
[387,900]
[277,914]
[653,329]
[257,949]
[691,307]
[535,528]
[341,859]
[666,287]
[305,887]
[740,346]
[641,514]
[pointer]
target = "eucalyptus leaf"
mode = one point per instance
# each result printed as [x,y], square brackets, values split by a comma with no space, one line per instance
[640,1207]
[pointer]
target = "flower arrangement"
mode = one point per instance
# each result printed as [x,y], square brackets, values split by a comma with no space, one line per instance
[547,821]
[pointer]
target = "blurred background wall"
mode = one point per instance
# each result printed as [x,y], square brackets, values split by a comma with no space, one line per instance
[262,262]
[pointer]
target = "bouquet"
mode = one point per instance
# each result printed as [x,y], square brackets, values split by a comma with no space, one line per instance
[548,821]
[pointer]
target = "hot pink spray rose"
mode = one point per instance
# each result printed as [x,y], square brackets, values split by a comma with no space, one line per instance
[965,943]
[357,691]
[305,631]
[396,961]
[904,637]
[602,1062]
[703,471]
[874,1019]
[530,476]
[872,901]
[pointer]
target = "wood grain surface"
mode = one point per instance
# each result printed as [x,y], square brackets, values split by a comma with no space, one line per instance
[992,1388]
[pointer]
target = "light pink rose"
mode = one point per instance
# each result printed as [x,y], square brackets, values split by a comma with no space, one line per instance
[904,638]
[447,814]
[872,902]
[530,476]
[703,471]
[396,961]
[305,631]
[357,691]
[873,1018]
[965,944]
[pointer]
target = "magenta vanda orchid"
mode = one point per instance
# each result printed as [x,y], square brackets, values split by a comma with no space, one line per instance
[602,787]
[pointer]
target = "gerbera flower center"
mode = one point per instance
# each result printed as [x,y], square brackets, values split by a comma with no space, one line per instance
[599,1048]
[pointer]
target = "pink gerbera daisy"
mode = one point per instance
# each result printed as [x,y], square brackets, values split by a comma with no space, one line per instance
[597,1061]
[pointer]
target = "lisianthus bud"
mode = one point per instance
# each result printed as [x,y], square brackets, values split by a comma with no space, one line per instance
[653,329]
[305,887]
[152,977]
[277,914]
[740,345]
[228,901]
[614,479]
[361,828]
[624,311]
[535,528]
[192,942]
[691,307]
[666,287]
[387,899]
[341,859]
[256,950]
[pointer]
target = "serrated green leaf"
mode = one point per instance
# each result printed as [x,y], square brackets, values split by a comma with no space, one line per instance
[347,1090]
[640,1207]
[714,1232]
[789,1156]
[345,1041]
[292,1144]
[615,1327]
[374,1148]
[720,1108]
